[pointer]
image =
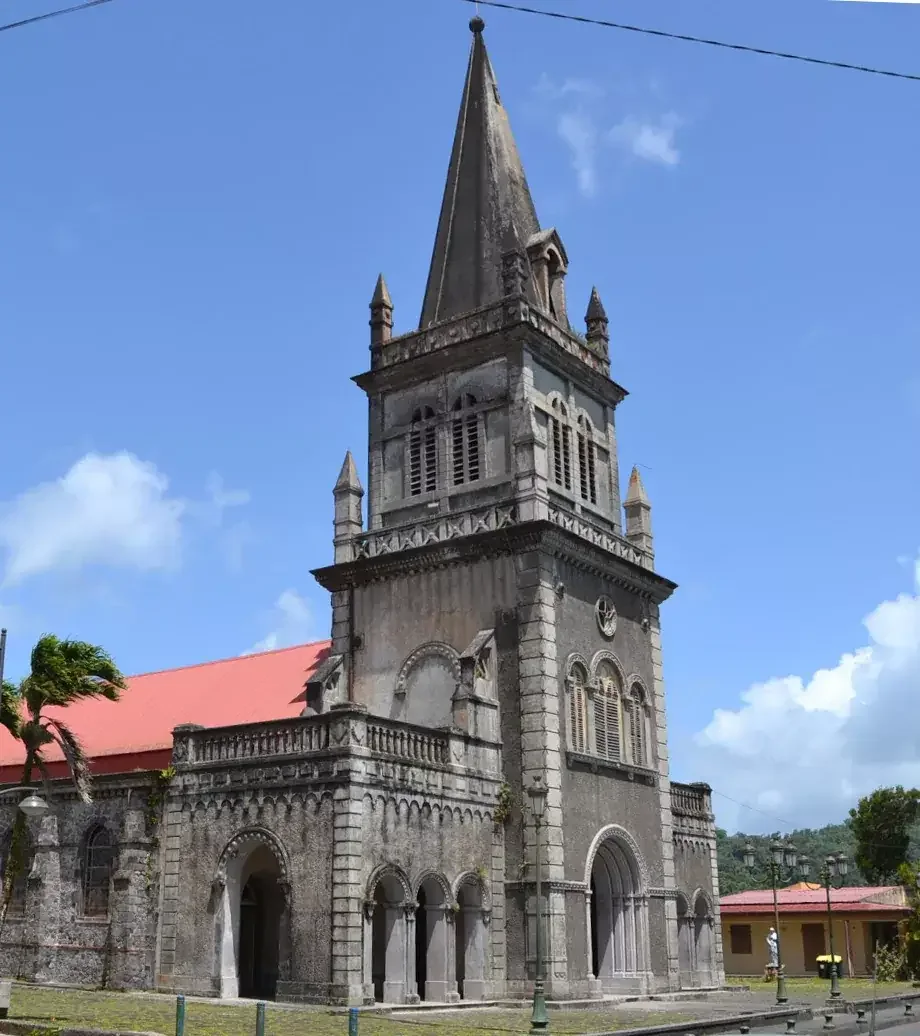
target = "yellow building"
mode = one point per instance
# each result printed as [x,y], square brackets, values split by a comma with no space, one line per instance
[862,917]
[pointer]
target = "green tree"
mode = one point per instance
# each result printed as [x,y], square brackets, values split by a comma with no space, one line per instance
[61,672]
[815,843]
[881,824]
[909,877]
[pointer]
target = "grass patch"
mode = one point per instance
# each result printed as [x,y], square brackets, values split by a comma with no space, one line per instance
[158,1014]
[851,988]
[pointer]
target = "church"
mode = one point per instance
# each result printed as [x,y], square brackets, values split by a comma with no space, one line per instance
[352,821]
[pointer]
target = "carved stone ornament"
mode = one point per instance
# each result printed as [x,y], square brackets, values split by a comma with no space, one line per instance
[487,917]
[369,906]
[606,615]
[180,750]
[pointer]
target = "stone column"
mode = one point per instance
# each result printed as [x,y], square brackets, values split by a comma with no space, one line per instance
[228,978]
[130,910]
[394,984]
[474,983]
[437,979]
[368,955]
[412,996]
[498,939]
[529,445]
[171,838]
[453,988]
[352,978]
[44,900]
[541,752]
[652,622]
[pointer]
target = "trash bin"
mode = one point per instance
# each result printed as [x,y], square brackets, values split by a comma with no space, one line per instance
[824,965]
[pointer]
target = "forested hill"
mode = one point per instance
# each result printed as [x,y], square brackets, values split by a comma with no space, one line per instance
[885,825]
[816,844]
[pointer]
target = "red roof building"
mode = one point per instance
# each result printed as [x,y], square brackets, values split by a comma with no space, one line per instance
[863,916]
[808,899]
[135,733]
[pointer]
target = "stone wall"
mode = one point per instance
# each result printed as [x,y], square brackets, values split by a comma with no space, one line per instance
[53,939]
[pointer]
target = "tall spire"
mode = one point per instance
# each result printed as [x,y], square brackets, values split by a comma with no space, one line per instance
[486,204]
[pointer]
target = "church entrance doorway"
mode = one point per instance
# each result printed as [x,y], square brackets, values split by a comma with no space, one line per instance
[252,918]
[617,919]
[261,907]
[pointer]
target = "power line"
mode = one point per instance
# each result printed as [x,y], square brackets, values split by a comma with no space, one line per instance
[788,824]
[53,14]
[696,39]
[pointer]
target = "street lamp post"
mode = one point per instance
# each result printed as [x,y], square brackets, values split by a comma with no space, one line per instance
[782,856]
[835,866]
[539,1022]
[32,804]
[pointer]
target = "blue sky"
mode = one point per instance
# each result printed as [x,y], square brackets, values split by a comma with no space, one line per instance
[198,196]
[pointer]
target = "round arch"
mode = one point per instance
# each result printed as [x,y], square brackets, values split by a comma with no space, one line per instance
[242,843]
[576,659]
[471,878]
[605,655]
[433,877]
[635,680]
[616,833]
[389,870]
[434,649]
[701,904]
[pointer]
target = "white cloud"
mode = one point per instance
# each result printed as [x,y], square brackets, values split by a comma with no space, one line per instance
[551,90]
[805,750]
[577,129]
[580,112]
[112,510]
[653,141]
[292,623]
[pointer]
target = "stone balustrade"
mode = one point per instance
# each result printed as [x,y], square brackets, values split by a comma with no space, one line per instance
[691,800]
[346,730]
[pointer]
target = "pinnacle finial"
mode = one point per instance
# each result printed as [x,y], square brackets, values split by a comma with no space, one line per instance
[596,309]
[476,24]
[381,295]
[348,477]
[636,493]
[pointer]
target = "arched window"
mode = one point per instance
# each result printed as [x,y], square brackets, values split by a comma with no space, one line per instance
[607,730]
[17,904]
[638,748]
[423,452]
[465,440]
[578,678]
[586,472]
[98,860]
[560,448]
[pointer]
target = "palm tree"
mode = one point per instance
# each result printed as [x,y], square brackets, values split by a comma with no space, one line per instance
[61,672]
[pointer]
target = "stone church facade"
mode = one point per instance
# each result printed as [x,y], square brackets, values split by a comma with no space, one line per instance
[495,622]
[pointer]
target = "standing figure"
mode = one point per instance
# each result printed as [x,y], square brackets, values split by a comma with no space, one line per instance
[773,947]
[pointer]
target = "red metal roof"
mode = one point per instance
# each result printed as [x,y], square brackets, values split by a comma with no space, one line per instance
[136,732]
[804,900]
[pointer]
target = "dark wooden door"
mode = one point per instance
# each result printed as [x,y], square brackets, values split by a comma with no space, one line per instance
[813,944]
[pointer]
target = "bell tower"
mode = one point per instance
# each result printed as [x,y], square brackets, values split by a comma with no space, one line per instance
[494,589]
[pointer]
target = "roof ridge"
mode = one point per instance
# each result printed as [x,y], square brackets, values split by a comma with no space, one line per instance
[229,658]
